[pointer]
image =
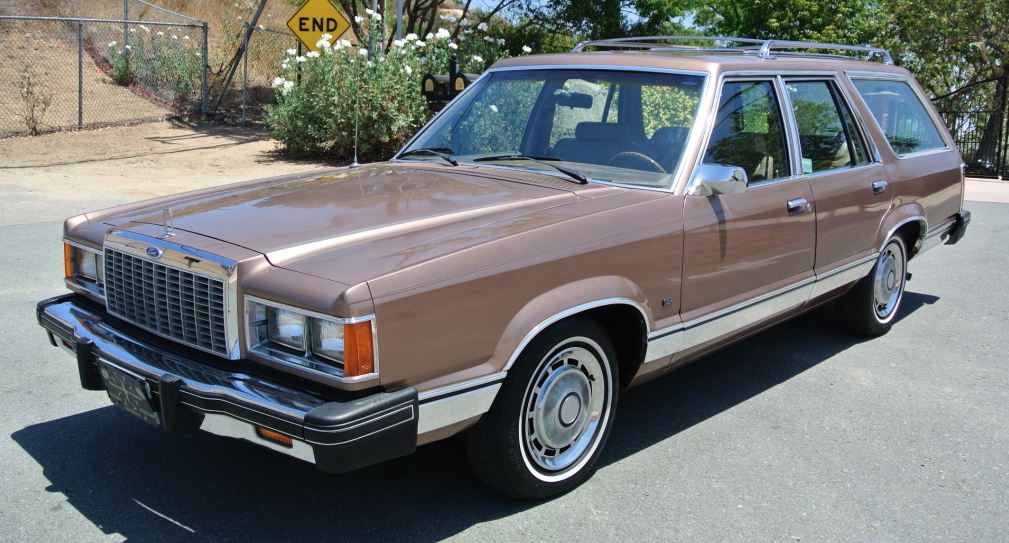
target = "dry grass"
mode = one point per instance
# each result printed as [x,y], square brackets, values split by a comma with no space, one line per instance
[225,21]
[43,56]
[221,16]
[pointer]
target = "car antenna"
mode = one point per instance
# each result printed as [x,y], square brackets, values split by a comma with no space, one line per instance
[357,102]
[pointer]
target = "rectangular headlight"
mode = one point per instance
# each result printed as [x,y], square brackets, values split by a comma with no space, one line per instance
[286,327]
[84,267]
[327,339]
[328,344]
[350,344]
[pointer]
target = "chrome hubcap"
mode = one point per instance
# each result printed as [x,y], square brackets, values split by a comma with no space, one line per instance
[564,408]
[888,282]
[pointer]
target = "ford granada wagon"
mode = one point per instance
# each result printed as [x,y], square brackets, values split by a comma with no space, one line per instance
[570,226]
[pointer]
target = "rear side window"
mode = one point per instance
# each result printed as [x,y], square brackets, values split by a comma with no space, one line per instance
[828,136]
[901,115]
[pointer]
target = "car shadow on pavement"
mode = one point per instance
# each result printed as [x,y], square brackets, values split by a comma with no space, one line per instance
[131,479]
[694,393]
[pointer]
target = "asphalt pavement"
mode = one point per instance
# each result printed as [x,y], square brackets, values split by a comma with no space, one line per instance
[801,433]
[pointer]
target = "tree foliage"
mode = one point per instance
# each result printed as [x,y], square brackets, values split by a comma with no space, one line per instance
[599,19]
[832,21]
[423,17]
[949,44]
[836,21]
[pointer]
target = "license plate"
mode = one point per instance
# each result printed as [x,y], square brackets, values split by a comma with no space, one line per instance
[129,392]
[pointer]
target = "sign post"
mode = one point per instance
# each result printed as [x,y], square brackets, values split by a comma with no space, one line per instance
[315,18]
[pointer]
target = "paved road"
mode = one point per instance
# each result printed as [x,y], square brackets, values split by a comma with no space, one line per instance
[802,433]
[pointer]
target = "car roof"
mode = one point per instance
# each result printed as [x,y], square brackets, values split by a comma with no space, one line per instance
[662,52]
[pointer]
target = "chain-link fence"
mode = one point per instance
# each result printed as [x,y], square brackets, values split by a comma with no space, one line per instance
[258,63]
[68,73]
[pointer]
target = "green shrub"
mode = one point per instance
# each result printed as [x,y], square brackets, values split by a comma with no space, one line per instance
[316,116]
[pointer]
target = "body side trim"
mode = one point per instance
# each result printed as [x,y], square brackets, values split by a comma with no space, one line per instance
[848,273]
[461,388]
[749,303]
[726,321]
[453,409]
[937,235]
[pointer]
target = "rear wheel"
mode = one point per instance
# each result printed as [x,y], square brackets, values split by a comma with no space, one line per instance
[871,306]
[547,427]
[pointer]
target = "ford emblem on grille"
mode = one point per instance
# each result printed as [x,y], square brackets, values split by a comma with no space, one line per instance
[154,252]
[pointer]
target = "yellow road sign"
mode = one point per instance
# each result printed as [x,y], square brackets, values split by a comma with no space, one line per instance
[315,18]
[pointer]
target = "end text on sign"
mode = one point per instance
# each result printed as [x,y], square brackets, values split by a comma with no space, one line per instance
[315,24]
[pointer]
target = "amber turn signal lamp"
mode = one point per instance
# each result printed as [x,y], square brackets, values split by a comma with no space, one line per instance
[279,439]
[359,349]
[68,261]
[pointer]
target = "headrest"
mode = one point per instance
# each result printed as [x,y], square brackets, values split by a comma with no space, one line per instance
[669,136]
[601,132]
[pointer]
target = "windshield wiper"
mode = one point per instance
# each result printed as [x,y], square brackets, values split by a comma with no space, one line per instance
[540,160]
[440,152]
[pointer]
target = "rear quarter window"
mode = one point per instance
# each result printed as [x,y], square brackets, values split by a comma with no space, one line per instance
[902,116]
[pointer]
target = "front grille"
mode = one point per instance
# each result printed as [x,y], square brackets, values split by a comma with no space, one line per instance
[169,301]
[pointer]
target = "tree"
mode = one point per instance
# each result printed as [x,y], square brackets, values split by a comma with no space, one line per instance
[852,22]
[834,21]
[600,19]
[422,17]
[949,44]
[952,46]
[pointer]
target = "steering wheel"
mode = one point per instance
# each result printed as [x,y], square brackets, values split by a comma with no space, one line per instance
[635,161]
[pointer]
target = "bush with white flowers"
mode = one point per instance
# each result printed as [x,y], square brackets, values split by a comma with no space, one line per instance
[167,65]
[322,95]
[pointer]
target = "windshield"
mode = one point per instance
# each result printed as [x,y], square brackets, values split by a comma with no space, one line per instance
[620,127]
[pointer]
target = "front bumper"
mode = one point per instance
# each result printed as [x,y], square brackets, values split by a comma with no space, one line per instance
[189,395]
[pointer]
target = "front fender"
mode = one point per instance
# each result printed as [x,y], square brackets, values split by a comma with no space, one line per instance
[563,302]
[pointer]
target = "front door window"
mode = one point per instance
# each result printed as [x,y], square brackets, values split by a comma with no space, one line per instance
[748,131]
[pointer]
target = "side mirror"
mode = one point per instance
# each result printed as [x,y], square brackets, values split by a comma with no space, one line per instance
[715,179]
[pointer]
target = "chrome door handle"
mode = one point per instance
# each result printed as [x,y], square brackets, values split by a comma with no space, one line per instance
[799,205]
[879,187]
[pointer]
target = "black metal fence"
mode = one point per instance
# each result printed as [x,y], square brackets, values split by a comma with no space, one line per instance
[977,115]
[67,73]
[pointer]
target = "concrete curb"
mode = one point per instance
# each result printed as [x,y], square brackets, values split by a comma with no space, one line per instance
[987,190]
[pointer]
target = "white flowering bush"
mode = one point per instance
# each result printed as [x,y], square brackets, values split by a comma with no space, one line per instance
[319,92]
[165,62]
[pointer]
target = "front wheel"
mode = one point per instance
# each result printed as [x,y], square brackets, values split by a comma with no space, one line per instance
[871,306]
[548,424]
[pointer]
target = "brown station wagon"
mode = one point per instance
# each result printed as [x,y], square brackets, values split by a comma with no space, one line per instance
[570,226]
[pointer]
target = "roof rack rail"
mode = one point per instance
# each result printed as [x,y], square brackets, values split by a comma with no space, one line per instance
[763,48]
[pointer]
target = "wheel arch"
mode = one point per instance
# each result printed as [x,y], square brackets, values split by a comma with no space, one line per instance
[624,315]
[909,222]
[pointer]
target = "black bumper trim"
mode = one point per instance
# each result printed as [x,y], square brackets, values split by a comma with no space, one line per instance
[343,435]
[91,379]
[959,227]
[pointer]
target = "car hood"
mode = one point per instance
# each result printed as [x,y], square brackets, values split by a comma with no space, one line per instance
[351,225]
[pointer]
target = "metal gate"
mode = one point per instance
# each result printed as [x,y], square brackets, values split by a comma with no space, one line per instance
[977,115]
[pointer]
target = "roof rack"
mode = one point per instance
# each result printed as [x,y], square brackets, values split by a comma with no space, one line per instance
[763,48]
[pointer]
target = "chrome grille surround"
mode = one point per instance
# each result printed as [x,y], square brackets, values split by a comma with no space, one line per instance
[181,294]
